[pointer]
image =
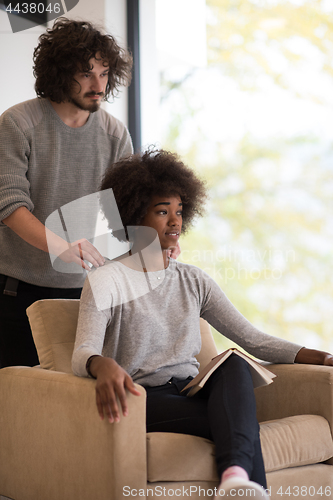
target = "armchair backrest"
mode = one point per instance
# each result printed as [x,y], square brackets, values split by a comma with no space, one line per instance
[53,323]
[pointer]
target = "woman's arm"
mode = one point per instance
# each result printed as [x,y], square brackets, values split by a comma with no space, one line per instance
[314,357]
[112,382]
[222,315]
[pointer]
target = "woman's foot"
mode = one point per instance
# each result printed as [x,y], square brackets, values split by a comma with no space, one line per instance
[235,483]
[234,471]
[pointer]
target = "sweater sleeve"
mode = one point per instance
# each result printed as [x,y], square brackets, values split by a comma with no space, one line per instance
[225,318]
[14,162]
[92,324]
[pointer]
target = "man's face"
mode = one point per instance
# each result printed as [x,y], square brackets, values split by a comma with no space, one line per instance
[89,87]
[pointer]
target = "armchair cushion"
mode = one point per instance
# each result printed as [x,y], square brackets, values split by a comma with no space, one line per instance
[288,442]
[180,457]
[295,441]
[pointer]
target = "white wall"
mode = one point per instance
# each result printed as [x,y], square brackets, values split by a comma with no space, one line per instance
[16,49]
[16,80]
[150,84]
[116,23]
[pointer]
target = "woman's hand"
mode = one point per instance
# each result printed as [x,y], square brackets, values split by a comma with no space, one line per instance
[314,357]
[112,382]
[328,359]
[174,252]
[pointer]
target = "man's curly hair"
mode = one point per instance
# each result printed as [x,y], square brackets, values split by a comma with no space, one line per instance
[67,48]
[136,179]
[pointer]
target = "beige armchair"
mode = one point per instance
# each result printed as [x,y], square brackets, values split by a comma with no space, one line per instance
[53,446]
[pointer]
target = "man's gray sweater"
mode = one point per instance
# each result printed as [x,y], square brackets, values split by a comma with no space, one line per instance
[45,164]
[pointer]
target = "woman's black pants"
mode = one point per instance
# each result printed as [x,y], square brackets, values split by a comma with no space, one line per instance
[224,411]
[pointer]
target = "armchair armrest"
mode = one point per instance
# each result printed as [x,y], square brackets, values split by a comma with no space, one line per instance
[297,390]
[54,445]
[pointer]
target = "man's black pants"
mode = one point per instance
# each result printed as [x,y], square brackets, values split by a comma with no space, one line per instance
[17,347]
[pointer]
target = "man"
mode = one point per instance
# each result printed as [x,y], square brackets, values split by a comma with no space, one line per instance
[54,149]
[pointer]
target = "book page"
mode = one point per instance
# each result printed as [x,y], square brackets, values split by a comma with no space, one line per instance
[260,375]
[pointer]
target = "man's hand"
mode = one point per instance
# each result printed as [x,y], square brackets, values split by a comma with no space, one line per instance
[31,230]
[82,250]
[112,382]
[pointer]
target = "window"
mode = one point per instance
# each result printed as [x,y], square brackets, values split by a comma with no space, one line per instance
[246,99]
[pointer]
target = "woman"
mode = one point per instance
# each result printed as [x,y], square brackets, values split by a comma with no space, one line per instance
[139,321]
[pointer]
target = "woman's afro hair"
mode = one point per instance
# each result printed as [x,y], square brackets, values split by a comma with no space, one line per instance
[136,179]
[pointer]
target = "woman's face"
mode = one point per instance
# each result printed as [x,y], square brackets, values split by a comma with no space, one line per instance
[165,216]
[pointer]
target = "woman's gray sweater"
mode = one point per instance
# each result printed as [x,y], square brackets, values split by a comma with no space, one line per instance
[149,322]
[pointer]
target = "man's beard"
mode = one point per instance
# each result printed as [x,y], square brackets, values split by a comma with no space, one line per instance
[92,107]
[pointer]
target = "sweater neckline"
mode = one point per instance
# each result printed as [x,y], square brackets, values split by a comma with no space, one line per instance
[72,130]
[167,270]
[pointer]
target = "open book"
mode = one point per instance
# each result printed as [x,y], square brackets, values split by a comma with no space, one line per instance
[260,374]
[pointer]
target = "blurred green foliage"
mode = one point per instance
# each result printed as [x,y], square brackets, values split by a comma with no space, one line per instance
[267,235]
